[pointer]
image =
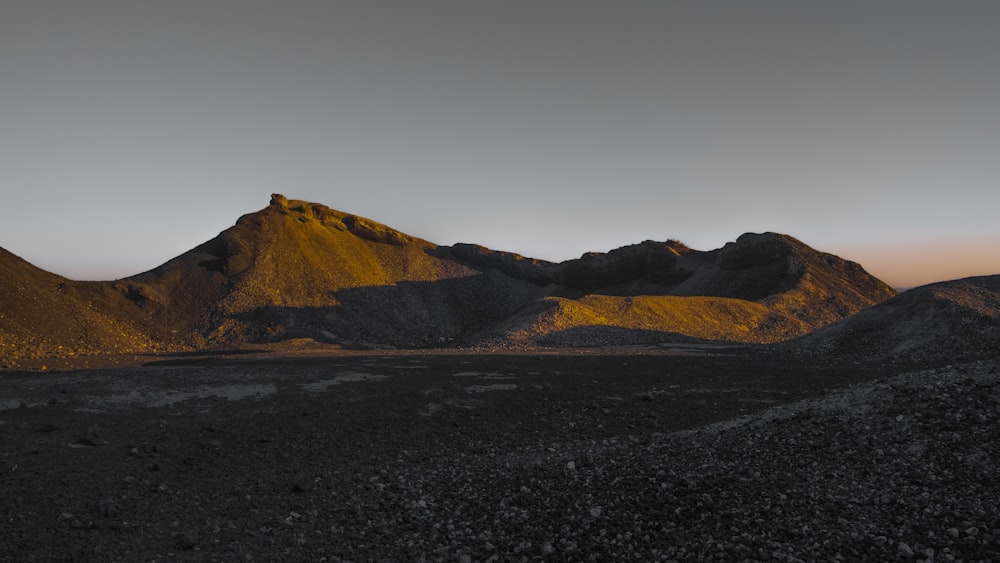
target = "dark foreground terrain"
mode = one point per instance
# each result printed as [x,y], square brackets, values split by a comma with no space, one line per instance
[727,457]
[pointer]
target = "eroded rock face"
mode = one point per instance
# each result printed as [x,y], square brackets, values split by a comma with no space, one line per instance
[649,261]
[375,232]
[516,266]
[758,265]
[279,200]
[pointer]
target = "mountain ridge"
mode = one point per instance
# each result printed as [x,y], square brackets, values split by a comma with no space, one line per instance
[301,270]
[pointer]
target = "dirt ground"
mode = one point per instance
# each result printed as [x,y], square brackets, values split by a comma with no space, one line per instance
[368,456]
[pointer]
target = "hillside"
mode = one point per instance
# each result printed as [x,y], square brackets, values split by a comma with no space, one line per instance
[302,271]
[43,315]
[762,288]
[938,322]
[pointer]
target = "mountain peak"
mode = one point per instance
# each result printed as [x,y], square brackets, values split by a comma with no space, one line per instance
[279,200]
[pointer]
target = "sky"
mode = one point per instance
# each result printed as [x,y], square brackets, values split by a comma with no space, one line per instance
[132,131]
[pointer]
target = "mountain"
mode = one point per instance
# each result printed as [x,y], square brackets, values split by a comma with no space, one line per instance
[943,321]
[762,288]
[300,270]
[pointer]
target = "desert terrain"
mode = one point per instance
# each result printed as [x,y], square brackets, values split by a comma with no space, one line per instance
[683,454]
[312,385]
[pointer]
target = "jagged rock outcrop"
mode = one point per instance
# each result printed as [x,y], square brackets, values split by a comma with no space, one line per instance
[649,263]
[536,271]
[279,200]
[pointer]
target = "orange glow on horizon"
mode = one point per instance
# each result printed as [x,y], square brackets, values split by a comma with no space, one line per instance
[905,265]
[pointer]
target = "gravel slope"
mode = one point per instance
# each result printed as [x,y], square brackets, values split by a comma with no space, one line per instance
[502,458]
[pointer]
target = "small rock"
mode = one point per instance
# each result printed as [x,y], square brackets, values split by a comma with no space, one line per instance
[904,550]
[187,539]
[108,508]
[93,437]
[571,465]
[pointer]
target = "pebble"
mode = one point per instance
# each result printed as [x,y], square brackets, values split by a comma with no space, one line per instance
[904,550]
[187,539]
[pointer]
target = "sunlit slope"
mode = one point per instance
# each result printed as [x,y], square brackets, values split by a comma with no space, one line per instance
[946,320]
[43,315]
[762,288]
[710,318]
[303,253]
[302,270]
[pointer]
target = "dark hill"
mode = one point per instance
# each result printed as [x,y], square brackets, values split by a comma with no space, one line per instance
[300,270]
[943,321]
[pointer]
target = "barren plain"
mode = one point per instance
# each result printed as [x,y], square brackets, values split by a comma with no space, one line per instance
[684,454]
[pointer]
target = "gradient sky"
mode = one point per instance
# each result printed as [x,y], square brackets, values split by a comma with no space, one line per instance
[131,131]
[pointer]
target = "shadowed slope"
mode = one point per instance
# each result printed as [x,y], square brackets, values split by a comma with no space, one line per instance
[941,321]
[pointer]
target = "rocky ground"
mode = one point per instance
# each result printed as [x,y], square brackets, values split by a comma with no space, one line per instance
[666,456]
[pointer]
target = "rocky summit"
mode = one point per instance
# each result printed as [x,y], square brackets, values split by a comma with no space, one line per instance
[301,272]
